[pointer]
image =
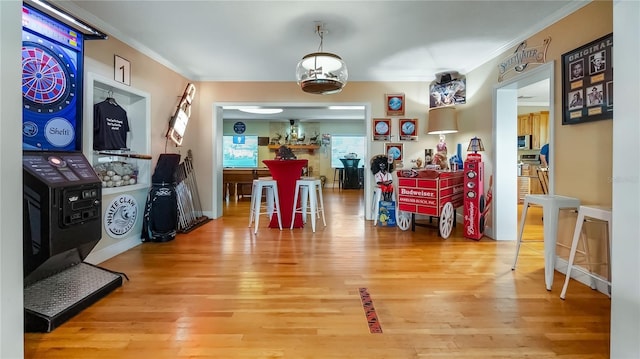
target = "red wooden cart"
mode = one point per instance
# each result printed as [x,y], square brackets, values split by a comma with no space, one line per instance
[431,193]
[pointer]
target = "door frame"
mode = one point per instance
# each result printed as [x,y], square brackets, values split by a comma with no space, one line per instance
[505,154]
[217,128]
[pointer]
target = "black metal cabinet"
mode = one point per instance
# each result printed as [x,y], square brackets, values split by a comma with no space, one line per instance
[351,179]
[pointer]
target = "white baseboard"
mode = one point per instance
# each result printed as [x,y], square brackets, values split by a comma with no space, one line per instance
[101,255]
[578,274]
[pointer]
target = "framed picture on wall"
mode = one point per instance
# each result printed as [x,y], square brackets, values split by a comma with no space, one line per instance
[394,104]
[408,129]
[394,151]
[587,82]
[381,129]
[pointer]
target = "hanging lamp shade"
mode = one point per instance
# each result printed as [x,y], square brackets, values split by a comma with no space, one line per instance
[321,72]
[442,120]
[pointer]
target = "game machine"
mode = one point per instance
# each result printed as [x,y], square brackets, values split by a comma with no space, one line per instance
[476,204]
[62,197]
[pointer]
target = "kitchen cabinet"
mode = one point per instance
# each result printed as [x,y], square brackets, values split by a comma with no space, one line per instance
[534,186]
[539,129]
[535,124]
[528,185]
[524,125]
[523,187]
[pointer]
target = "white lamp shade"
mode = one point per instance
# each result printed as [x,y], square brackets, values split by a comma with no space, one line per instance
[442,120]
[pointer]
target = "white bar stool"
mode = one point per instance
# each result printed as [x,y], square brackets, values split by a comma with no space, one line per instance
[375,205]
[596,212]
[312,191]
[551,206]
[272,201]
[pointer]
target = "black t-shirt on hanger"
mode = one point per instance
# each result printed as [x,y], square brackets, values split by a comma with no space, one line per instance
[110,126]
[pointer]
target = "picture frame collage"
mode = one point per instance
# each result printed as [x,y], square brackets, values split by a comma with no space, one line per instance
[382,127]
[587,82]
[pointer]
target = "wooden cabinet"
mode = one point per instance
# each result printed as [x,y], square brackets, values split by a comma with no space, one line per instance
[534,186]
[539,129]
[524,125]
[523,187]
[528,185]
[239,181]
[535,124]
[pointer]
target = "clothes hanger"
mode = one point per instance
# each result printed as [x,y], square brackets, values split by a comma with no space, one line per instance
[110,98]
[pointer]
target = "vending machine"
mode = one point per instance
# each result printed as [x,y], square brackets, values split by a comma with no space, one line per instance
[474,199]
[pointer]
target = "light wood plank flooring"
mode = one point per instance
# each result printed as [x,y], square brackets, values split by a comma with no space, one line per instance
[223,292]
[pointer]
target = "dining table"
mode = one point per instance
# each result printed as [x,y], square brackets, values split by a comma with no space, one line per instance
[286,173]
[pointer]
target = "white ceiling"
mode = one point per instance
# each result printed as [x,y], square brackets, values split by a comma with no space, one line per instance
[211,40]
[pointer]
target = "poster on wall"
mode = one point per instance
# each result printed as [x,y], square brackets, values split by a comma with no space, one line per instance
[408,129]
[394,104]
[448,90]
[381,129]
[394,151]
[587,82]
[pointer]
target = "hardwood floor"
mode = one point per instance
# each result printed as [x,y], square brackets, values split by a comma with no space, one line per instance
[223,292]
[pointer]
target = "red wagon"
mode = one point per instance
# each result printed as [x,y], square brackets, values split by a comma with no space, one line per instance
[431,193]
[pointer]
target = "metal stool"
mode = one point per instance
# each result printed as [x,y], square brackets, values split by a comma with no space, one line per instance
[601,213]
[339,177]
[551,205]
[311,191]
[375,205]
[272,201]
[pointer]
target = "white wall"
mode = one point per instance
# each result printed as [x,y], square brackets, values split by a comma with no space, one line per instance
[625,263]
[11,317]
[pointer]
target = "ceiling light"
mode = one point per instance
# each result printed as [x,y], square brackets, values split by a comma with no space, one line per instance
[89,32]
[321,72]
[261,111]
[346,107]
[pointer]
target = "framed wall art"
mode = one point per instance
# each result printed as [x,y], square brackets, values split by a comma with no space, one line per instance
[121,70]
[449,92]
[587,82]
[394,104]
[394,151]
[408,129]
[381,129]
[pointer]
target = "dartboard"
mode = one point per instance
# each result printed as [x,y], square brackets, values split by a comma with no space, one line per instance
[46,83]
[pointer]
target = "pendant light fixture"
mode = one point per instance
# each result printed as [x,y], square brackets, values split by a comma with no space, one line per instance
[321,73]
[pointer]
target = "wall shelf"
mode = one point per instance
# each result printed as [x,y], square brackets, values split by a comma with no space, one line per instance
[309,148]
[137,105]
[119,235]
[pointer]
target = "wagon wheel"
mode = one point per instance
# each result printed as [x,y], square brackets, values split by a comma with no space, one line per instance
[446,220]
[403,219]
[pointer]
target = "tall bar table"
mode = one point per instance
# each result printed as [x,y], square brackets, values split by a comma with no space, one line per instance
[286,173]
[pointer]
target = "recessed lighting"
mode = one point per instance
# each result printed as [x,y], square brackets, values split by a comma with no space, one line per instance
[261,111]
[346,107]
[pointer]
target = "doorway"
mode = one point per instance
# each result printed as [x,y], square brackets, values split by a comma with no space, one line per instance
[321,113]
[505,154]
